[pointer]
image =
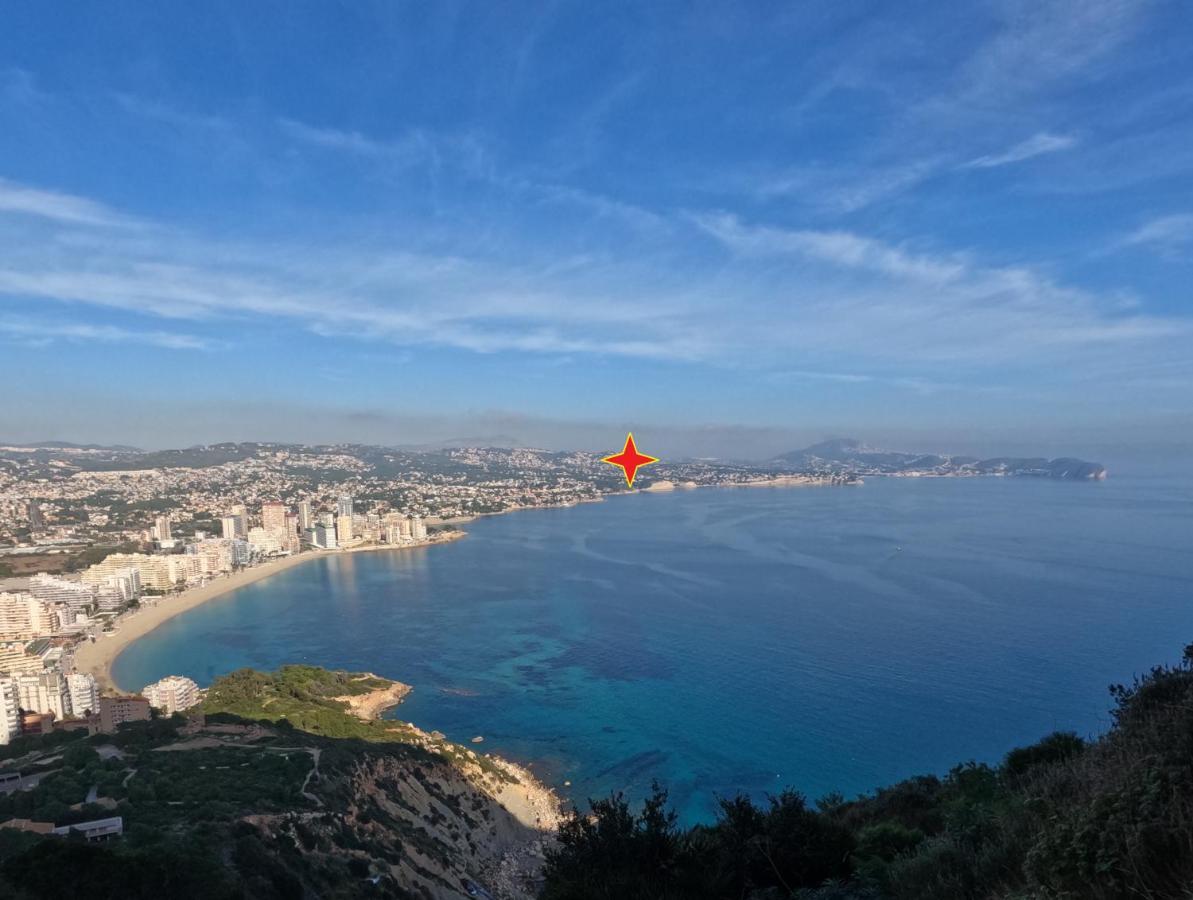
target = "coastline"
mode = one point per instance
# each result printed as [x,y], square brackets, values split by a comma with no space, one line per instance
[96,657]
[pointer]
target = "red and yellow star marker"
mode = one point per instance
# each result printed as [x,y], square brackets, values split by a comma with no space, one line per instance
[629,460]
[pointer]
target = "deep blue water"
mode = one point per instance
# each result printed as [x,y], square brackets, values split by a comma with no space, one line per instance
[742,639]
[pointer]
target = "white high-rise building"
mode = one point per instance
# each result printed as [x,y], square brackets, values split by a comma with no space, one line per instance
[15,659]
[242,553]
[78,596]
[344,505]
[230,528]
[161,529]
[325,536]
[24,617]
[43,692]
[418,528]
[292,542]
[153,571]
[172,694]
[184,568]
[84,694]
[120,589]
[273,516]
[10,711]
[305,520]
[216,555]
[265,542]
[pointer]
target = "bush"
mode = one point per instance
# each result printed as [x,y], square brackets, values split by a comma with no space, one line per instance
[1056,748]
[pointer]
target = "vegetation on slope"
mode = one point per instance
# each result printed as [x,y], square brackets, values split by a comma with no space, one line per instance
[277,792]
[1062,819]
[305,698]
[316,803]
[302,697]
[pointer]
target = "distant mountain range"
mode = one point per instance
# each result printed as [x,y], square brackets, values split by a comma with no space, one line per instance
[847,454]
[841,455]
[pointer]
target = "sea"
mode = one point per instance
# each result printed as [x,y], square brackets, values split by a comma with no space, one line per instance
[742,640]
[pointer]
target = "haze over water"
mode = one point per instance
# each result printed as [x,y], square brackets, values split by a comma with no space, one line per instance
[742,639]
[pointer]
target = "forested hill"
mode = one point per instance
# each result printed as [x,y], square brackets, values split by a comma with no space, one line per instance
[849,455]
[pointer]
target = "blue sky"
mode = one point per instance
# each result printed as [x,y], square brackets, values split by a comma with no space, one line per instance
[940,225]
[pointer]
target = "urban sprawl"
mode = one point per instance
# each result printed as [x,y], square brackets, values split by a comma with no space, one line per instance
[89,536]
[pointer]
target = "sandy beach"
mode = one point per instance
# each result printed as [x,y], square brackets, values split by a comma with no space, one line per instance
[97,657]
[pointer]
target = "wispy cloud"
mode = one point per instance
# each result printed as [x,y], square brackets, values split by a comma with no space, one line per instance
[412,146]
[840,248]
[1036,145]
[470,157]
[68,208]
[810,300]
[1167,233]
[1041,42]
[47,332]
[900,304]
[848,189]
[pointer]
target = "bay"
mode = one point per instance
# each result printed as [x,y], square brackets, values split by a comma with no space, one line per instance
[725,640]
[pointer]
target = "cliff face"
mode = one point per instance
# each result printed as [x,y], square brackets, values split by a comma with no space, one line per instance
[421,827]
[415,812]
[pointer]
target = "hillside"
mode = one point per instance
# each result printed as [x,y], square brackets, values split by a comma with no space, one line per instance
[277,790]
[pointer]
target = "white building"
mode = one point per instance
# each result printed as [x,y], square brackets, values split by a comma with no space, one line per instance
[43,692]
[153,571]
[78,596]
[15,659]
[273,516]
[161,529]
[216,555]
[418,528]
[172,694]
[24,617]
[10,711]
[325,536]
[231,527]
[265,542]
[120,589]
[84,694]
[242,553]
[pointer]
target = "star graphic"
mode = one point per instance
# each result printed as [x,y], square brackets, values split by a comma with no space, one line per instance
[629,460]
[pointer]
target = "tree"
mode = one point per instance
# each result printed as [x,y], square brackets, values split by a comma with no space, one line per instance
[613,854]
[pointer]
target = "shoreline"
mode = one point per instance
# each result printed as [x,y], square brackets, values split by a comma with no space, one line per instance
[97,657]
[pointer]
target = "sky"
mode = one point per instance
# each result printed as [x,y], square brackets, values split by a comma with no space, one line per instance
[733,227]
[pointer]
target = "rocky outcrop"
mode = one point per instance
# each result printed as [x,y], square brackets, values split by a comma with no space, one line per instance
[402,807]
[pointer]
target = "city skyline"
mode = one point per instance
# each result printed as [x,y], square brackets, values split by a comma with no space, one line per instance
[963,231]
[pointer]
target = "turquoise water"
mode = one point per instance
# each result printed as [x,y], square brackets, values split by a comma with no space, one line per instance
[742,639]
